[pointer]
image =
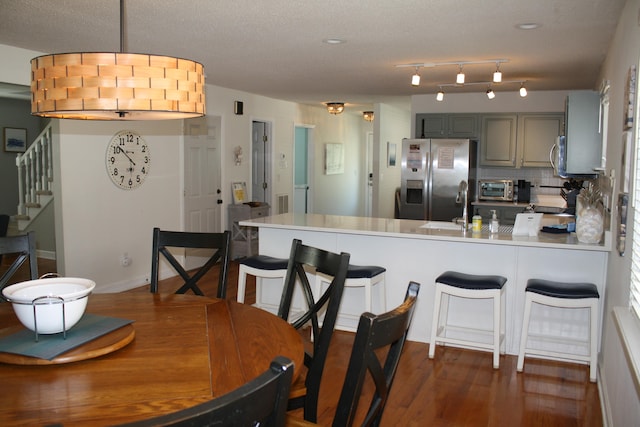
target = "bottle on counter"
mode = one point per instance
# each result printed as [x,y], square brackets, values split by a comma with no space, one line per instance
[476,223]
[494,225]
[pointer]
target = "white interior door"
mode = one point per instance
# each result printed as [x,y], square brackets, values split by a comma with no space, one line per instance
[301,170]
[202,202]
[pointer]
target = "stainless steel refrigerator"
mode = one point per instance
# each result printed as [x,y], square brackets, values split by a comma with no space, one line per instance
[432,170]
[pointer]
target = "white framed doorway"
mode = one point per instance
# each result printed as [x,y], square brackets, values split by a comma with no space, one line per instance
[303,168]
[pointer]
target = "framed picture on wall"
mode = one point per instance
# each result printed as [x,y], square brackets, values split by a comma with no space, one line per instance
[15,140]
[391,154]
[333,158]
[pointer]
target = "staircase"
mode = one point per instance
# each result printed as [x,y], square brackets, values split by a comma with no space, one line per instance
[35,178]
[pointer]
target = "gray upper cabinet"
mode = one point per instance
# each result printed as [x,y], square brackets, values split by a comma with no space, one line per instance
[447,125]
[537,134]
[498,141]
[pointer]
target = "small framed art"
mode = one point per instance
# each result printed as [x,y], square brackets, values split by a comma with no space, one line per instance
[15,140]
[239,192]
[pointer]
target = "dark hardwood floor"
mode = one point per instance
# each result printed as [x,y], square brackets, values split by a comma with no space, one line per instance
[458,388]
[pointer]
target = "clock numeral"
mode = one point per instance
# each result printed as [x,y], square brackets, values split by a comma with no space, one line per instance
[144,148]
[115,171]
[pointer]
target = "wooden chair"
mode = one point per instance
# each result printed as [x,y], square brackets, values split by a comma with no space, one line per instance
[25,247]
[304,392]
[262,401]
[219,241]
[375,332]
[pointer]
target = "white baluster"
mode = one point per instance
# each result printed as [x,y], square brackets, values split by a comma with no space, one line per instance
[37,169]
[22,210]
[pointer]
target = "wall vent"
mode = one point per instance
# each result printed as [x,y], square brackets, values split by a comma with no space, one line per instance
[283,203]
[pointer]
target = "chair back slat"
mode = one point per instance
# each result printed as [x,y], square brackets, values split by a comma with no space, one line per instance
[301,259]
[25,248]
[219,242]
[375,332]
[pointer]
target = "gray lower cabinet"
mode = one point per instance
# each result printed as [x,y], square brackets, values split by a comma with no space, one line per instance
[506,213]
[244,240]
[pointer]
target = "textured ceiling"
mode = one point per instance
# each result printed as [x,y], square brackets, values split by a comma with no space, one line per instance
[275,47]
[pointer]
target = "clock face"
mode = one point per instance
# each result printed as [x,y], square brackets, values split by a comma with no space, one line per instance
[128,160]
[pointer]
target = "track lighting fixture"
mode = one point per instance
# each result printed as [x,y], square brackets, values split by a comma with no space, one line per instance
[440,95]
[490,93]
[415,79]
[523,90]
[497,75]
[460,76]
[367,115]
[335,107]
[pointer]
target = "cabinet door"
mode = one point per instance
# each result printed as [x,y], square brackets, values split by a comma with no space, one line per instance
[537,134]
[431,125]
[498,142]
[463,126]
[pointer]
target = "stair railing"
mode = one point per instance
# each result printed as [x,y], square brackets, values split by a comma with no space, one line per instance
[35,172]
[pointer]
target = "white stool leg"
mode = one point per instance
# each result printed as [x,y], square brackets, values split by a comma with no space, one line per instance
[525,332]
[383,293]
[367,296]
[436,319]
[593,363]
[496,328]
[242,283]
[503,320]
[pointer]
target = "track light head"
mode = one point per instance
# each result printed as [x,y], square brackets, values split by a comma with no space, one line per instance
[523,90]
[490,93]
[415,79]
[497,75]
[440,95]
[460,77]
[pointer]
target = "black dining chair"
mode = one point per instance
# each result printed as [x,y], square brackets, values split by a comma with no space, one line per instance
[219,242]
[305,391]
[24,246]
[386,331]
[262,401]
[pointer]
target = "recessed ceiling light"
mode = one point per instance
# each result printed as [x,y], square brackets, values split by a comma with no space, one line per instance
[333,41]
[528,26]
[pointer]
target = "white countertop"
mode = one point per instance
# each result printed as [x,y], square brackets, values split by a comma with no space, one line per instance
[411,229]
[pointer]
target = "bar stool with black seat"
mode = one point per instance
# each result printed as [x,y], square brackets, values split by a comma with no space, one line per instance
[360,276]
[451,283]
[561,295]
[262,267]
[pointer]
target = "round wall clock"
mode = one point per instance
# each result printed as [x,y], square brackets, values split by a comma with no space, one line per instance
[128,159]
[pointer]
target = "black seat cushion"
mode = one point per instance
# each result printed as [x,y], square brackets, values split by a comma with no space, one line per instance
[265,262]
[364,271]
[471,281]
[562,289]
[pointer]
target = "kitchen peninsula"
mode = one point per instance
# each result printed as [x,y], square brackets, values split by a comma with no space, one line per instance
[412,250]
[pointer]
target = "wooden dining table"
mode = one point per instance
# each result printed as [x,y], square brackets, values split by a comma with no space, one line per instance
[185,350]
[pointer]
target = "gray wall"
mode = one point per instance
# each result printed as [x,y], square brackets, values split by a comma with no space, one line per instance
[14,113]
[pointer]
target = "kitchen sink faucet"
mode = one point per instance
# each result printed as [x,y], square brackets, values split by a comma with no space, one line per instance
[463,193]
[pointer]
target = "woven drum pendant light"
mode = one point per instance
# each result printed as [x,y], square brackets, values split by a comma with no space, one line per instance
[116,86]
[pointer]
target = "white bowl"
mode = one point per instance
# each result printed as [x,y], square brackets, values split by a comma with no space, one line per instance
[47,296]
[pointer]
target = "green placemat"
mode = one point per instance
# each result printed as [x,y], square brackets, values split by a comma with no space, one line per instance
[90,327]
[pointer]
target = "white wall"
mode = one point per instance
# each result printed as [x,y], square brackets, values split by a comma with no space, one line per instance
[99,222]
[621,392]
[393,125]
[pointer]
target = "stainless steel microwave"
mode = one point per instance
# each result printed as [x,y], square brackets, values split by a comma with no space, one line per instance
[495,189]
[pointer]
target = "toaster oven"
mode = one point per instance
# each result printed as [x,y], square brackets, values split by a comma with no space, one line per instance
[495,189]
